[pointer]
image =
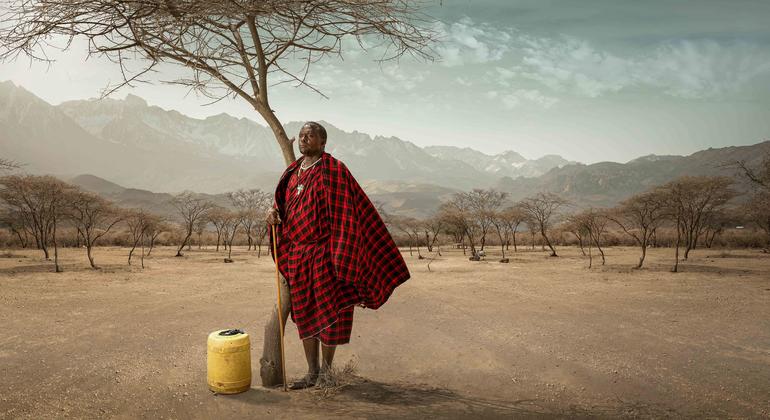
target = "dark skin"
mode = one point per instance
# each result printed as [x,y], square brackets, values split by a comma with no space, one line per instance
[311,145]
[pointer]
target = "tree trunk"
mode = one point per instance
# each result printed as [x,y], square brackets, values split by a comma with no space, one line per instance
[644,252]
[514,242]
[548,241]
[271,369]
[580,243]
[181,247]
[55,250]
[90,257]
[675,268]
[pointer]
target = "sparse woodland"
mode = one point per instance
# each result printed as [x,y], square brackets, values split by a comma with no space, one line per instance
[685,214]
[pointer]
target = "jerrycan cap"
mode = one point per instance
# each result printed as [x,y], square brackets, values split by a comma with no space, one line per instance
[234,331]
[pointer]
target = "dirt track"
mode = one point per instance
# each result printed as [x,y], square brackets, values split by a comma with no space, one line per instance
[538,337]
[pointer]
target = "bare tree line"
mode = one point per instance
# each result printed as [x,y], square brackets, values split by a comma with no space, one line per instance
[693,207]
[35,209]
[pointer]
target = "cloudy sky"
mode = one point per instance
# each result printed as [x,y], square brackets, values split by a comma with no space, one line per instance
[590,80]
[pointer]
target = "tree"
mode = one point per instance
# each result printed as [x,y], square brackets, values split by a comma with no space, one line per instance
[458,212]
[484,205]
[34,204]
[155,228]
[542,210]
[13,220]
[640,215]
[93,217]
[432,226]
[757,209]
[411,227]
[252,204]
[759,175]
[232,221]
[512,217]
[191,209]
[591,225]
[139,222]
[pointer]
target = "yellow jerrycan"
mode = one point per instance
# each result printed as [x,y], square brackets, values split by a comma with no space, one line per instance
[229,362]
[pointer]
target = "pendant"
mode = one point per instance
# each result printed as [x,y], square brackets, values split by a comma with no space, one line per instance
[300,187]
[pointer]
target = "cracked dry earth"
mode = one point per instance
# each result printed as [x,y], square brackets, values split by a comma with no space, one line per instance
[539,337]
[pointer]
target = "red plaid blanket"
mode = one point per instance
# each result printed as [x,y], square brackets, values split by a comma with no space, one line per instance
[363,252]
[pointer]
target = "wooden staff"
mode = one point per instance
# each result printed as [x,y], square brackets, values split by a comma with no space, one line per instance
[280,317]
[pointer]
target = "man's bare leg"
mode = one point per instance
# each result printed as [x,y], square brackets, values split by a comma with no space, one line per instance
[311,354]
[328,356]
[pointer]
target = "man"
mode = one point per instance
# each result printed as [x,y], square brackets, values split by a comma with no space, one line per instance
[333,249]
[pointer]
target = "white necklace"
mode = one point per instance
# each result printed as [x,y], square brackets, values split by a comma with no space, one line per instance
[304,168]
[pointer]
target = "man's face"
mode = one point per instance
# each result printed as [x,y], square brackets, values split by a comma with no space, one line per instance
[310,144]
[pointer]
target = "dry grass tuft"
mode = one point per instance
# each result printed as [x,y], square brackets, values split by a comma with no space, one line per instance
[336,379]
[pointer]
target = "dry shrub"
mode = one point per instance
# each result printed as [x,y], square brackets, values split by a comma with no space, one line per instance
[336,379]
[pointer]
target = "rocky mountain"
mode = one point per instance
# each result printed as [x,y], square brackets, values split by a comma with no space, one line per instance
[510,163]
[607,183]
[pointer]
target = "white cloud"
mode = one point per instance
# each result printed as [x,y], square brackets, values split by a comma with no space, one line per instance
[466,42]
[688,69]
[527,97]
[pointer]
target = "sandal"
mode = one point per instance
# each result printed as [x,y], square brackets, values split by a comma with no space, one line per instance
[307,382]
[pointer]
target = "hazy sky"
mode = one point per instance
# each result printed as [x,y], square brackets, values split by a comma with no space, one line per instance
[590,80]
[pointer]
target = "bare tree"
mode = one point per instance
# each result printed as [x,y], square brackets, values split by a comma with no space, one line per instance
[759,175]
[412,228]
[432,227]
[154,229]
[13,220]
[139,222]
[512,217]
[640,215]
[191,208]
[757,210]
[231,222]
[542,210]
[484,204]
[252,204]
[93,217]
[459,213]
[34,204]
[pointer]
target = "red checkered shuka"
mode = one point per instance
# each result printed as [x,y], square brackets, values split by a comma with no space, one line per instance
[333,247]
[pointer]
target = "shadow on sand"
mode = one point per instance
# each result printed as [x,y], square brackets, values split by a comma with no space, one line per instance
[373,399]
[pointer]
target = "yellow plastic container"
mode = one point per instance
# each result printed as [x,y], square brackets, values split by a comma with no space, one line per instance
[229,362]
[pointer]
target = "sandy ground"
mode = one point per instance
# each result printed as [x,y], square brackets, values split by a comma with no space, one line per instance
[539,337]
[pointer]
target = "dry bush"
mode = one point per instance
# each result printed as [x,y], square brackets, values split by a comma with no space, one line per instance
[337,379]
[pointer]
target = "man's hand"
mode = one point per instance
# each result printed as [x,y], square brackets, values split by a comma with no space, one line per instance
[272,217]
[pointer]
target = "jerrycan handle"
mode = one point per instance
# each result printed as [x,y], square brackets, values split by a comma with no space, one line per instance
[231,332]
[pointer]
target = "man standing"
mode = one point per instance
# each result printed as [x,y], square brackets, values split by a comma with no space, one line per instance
[333,249]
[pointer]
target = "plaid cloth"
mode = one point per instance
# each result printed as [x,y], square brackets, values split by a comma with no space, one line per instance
[363,254]
[321,306]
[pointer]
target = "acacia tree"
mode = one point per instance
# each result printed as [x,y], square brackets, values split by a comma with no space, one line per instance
[432,227]
[512,217]
[757,210]
[13,220]
[459,213]
[541,210]
[34,204]
[155,228]
[191,208]
[252,205]
[93,217]
[484,205]
[640,215]
[139,222]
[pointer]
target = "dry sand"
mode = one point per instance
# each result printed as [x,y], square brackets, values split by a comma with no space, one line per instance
[539,337]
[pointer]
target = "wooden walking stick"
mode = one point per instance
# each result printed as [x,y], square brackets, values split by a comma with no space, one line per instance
[280,318]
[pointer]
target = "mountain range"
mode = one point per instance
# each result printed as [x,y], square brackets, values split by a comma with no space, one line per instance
[147,153]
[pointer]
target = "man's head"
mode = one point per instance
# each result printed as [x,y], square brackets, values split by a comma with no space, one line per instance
[312,139]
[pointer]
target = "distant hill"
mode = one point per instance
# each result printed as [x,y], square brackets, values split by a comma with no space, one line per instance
[138,155]
[607,183]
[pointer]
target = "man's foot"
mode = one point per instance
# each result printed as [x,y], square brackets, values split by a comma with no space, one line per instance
[308,381]
[324,379]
